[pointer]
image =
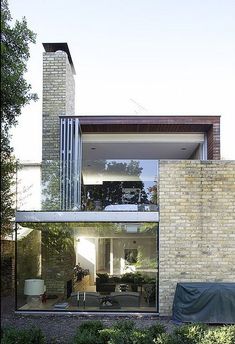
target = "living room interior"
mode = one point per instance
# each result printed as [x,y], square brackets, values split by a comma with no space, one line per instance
[111,265]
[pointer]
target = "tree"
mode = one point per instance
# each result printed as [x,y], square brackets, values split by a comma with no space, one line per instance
[15,93]
[111,192]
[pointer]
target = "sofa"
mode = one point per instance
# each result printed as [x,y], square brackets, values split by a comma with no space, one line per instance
[126,299]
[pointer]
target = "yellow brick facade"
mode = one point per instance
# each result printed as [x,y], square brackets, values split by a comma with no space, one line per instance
[197,224]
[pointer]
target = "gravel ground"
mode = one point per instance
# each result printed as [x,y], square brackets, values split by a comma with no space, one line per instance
[61,328]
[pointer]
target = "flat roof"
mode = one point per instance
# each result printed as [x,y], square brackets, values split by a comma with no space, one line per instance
[133,123]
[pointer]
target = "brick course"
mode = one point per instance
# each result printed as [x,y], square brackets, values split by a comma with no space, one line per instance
[58,100]
[197,224]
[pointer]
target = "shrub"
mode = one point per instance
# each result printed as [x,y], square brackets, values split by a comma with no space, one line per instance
[89,333]
[221,335]
[124,325]
[91,325]
[22,336]
[156,329]
[141,337]
[106,334]
[119,333]
[124,332]
[165,338]
[115,336]
[190,334]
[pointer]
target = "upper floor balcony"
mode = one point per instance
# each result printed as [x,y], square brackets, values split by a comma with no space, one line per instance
[111,164]
[99,185]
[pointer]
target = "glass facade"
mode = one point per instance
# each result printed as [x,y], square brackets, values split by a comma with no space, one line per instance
[106,185]
[87,267]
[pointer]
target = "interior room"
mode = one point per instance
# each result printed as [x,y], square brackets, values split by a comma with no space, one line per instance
[91,266]
[120,171]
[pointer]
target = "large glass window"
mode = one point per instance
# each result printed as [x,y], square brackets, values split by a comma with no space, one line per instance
[87,266]
[119,185]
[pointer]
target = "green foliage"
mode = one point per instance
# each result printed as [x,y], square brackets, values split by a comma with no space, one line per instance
[154,193]
[156,329]
[141,337]
[202,334]
[125,332]
[15,93]
[56,237]
[8,166]
[106,334]
[15,42]
[89,333]
[190,334]
[137,277]
[114,336]
[111,192]
[124,325]
[164,338]
[92,325]
[221,335]
[51,185]
[22,336]
[132,277]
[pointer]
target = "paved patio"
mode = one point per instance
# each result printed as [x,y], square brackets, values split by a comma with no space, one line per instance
[61,328]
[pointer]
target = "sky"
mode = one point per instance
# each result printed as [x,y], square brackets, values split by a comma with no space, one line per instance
[168,57]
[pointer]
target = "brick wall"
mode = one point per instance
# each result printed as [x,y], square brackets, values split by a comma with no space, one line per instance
[58,259]
[197,224]
[58,100]
[213,141]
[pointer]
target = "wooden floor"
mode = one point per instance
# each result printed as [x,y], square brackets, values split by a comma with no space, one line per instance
[86,286]
[49,306]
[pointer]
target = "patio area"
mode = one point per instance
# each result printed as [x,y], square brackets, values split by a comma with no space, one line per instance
[60,328]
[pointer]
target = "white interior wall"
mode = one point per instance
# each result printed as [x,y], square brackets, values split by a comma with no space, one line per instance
[147,246]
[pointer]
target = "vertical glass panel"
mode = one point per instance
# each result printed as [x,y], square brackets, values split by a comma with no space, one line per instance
[87,266]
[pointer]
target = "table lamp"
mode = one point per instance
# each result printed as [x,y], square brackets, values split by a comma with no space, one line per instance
[33,288]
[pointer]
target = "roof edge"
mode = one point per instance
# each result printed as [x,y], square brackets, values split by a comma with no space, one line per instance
[53,47]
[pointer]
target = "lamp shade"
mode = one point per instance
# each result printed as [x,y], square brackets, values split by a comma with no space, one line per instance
[34,287]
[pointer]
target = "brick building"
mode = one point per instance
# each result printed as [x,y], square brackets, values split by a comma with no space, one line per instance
[136,203]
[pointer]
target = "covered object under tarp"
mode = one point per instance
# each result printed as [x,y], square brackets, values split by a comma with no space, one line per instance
[204,302]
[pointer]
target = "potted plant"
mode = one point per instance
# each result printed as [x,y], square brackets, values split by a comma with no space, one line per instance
[149,288]
[79,272]
[133,279]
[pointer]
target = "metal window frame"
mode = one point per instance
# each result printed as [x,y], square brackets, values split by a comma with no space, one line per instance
[62,216]
[70,163]
[86,216]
